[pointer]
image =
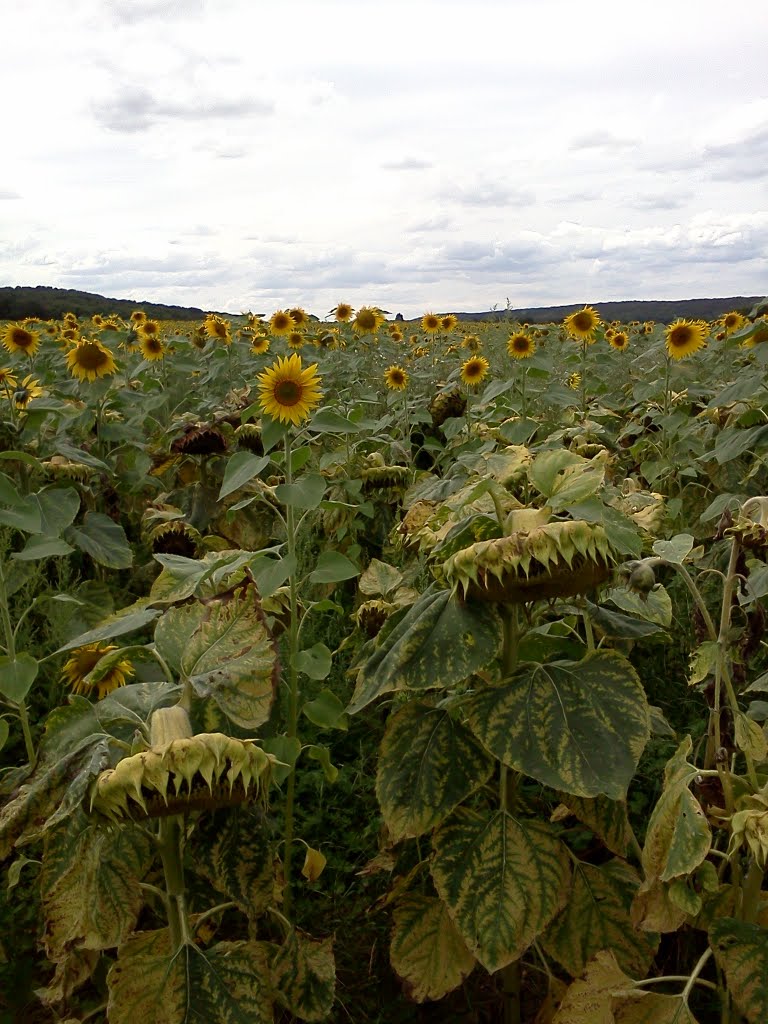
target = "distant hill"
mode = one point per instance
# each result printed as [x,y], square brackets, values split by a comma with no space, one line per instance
[658,310]
[51,304]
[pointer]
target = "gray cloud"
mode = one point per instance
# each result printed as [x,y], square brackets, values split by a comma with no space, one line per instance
[746,160]
[602,140]
[132,11]
[487,193]
[436,223]
[135,109]
[663,201]
[407,164]
[9,195]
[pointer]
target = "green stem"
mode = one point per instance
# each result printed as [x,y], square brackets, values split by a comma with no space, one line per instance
[293,686]
[173,869]
[750,893]
[10,649]
[511,975]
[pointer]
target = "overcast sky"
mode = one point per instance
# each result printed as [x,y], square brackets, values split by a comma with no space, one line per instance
[412,154]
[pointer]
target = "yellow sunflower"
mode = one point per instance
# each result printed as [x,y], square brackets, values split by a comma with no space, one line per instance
[430,323]
[396,378]
[281,322]
[473,370]
[684,337]
[396,336]
[70,336]
[759,335]
[296,340]
[582,324]
[342,313]
[28,389]
[7,380]
[448,322]
[138,316]
[152,348]
[288,392]
[299,316]
[733,322]
[149,327]
[84,660]
[521,346]
[471,342]
[97,320]
[368,320]
[89,360]
[215,327]
[574,381]
[618,340]
[259,345]
[17,338]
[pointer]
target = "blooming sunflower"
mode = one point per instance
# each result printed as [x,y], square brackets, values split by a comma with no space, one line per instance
[430,323]
[368,320]
[149,327]
[70,335]
[152,348]
[296,340]
[7,380]
[97,320]
[449,321]
[521,346]
[299,316]
[619,340]
[259,345]
[82,663]
[281,322]
[396,378]
[342,313]
[288,392]
[733,322]
[17,338]
[215,327]
[89,360]
[574,381]
[396,336]
[471,342]
[473,370]
[684,337]
[28,389]
[138,316]
[582,324]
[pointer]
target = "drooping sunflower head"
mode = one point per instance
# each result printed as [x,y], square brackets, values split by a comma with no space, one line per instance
[17,338]
[619,340]
[474,370]
[216,327]
[368,320]
[684,337]
[430,323]
[521,345]
[582,324]
[152,347]
[396,378]
[448,322]
[342,313]
[89,359]
[281,322]
[289,391]
[28,389]
[85,659]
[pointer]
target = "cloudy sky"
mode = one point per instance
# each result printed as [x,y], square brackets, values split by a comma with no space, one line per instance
[412,154]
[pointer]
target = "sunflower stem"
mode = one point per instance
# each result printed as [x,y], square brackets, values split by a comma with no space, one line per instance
[10,649]
[511,979]
[173,870]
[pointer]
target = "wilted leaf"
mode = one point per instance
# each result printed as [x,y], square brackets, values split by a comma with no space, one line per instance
[588,1000]
[427,951]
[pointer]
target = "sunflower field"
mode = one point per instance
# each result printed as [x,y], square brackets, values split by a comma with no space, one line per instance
[377,671]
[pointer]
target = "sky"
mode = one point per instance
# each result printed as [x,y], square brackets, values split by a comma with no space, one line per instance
[416,155]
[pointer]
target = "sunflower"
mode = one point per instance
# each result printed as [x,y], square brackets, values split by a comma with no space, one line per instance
[574,381]
[521,346]
[368,320]
[149,327]
[28,389]
[215,327]
[259,345]
[97,320]
[296,340]
[70,335]
[733,322]
[152,348]
[20,339]
[112,324]
[70,318]
[89,360]
[474,369]
[396,378]
[758,335]
[138,316]
[299,316]
[684,337]
[288,391]
[342,313]
[7,380]
[619,340]
[583,324]
[396,336]
[449,321]
[280,322]
[471,342]
[82,663]
[430,323]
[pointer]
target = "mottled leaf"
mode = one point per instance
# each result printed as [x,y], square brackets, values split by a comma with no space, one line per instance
[428,764]
[578,726]
[230,983]
[741,951]
[235,855]
[90,885]
[606,818]
[379,579]
[596,917]
[439,641]
[71,972]
[588,1000]
[304,976]
[643,1007]
[503,880]
[427,951]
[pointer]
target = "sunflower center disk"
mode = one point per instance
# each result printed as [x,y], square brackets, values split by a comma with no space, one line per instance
[288,392]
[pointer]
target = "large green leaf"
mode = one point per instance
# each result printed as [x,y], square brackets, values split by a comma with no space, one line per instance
[17,675]
[427,951]
[125,621]
[439,642]
[304,975]
[596,917]
[226,651]
[235,855]
[227,984]
[741,951]
[606,818]
[90,885]
[578,726]
[241,467]
[428,764]
[503,880]
[103,539]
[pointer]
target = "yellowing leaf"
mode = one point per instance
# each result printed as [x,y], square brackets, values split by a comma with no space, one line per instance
[606,818]
[314,863]
[426,950]
[588,1000]
[741,951]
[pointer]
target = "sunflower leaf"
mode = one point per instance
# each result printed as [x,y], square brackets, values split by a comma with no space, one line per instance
[103,539]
